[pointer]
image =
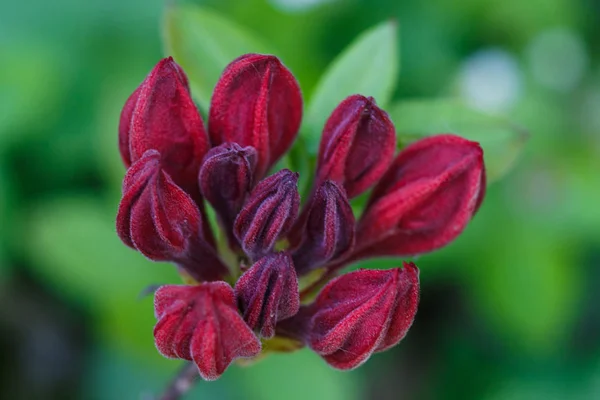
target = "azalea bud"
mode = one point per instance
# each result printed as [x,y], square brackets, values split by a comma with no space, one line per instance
[329,230]
[162,222]
[268,292]
[201,323]
[363,312]
[161,115]
[268,213]
[256,102]
[425,200]
[226,178]
[357,145]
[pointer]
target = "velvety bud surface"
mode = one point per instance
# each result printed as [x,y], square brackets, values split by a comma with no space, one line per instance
[329,230]
[161,115]
[357,146]
[268,292]
[202,323]
[425,200]
[268,213]
[125,125]
[226,178]
[162,222]
[363,312]
[256,102]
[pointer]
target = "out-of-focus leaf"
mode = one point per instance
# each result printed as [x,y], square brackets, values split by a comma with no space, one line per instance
[501,140]
[369,66]
[579,209]
[4,193]
[5,224]
[31,82]
[529,288]
[531,389]
[203,43]
[110,103]
[297,376]
[110,374]
[73,246]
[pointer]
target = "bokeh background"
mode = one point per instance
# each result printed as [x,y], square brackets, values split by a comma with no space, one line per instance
[508,311]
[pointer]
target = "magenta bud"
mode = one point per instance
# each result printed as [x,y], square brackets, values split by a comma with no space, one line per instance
[161,115]
[357,145]
[329,230]
[201,323]
[425,200]
[226,178]
[363,312]
[162,222]
[268,213]
[256,102]
[268,293]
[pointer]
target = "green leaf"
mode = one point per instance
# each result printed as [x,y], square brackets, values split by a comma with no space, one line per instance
[73,247]
[528,288]
[107,114]
[501,140]
[203,43]
[29,99]
[289,373]
[6,204]
[369,66]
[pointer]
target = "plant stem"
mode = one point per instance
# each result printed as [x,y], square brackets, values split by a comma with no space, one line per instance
[181,383]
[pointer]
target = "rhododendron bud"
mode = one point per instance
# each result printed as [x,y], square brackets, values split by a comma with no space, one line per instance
[357,145]
[268,292]
[226,178]
[161,221]
[256,102]
[425,200]
[363,312]
[202,323]
[329,229]
[268,213]
[161,115]
[279,287]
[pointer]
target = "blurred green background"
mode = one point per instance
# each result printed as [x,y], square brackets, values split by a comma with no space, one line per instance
[508,311]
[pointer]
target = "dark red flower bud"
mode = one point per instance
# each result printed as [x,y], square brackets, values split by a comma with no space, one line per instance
[425,200]
[226,178]
[161,115]
[162,222]
[329,230]
[268,292]
[363,312]
[268,213]
[357,145]
[124,125]
[257,102]
[202,323]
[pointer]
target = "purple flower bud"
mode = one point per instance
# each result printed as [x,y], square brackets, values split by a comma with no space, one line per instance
[357,145]
[329,230]
[161,115]
[162,222]
[363,312]
[268,293]
[257,102]
[202,323]
[226,178]
[268,213]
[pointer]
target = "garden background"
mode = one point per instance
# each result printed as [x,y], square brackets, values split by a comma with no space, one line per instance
[509,311]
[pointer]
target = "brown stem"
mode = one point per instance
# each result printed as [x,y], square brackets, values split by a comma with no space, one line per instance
[181,383]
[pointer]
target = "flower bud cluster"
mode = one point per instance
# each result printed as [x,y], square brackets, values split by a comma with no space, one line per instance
[422,199]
